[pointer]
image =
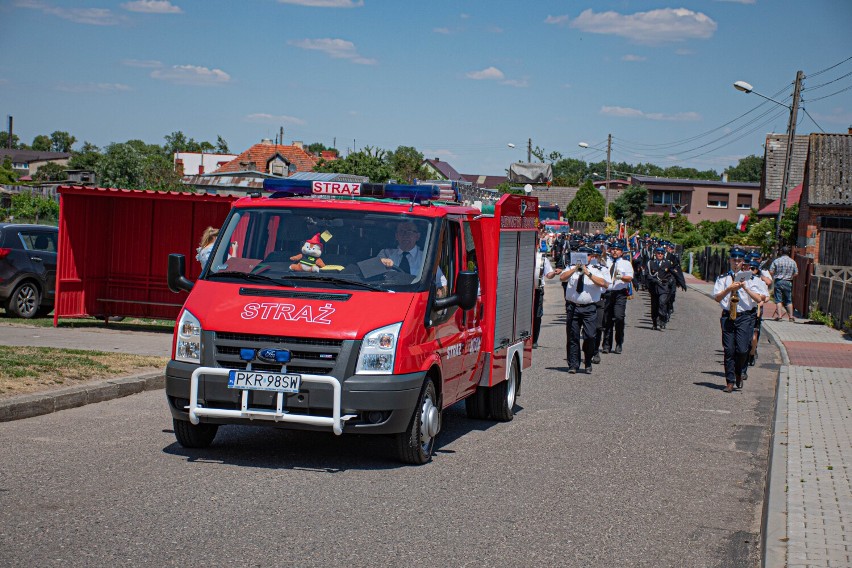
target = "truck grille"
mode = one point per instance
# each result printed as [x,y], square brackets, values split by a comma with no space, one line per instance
[309,356]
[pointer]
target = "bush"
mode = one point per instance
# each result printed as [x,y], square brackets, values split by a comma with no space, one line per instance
[818,316]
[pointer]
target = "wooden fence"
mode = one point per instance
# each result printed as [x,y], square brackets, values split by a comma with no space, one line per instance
[835,248]
[831,291]
[711,263]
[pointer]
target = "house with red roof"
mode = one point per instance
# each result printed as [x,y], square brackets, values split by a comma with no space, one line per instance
[273,159]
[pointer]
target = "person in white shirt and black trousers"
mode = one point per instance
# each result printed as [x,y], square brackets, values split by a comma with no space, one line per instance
[585,284]
[621,271]
[740,300]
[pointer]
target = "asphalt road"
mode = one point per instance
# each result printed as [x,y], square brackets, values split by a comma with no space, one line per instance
[644,463]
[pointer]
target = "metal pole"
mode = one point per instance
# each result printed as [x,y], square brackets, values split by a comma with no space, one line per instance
[608,153]
[529,151]
[791,136]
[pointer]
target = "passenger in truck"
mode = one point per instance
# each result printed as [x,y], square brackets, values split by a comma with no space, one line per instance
[407,256]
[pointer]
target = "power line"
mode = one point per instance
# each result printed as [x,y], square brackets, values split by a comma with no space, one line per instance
[821,85]
[830,68]
[812,119]
[831,95]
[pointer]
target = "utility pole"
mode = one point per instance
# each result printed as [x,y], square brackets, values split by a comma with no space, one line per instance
[791,136]
[529,151]
[608,169]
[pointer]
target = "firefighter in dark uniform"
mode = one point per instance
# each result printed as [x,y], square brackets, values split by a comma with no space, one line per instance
[679,281]
[739,299]
[660,280]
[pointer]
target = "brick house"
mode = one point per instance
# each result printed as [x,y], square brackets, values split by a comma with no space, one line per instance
[270,158]
[699,200]
[825,209]
[27,162]
[774,161]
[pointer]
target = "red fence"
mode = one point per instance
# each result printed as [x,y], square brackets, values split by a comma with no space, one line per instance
[114,246]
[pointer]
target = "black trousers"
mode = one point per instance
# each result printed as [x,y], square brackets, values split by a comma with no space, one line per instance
[580,324]
[736,343]
[616,308]
[539,312]
[672,295]
[659,302]
[600,314]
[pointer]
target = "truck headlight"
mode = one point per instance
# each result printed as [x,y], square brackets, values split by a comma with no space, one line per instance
[378,351]
[188,347]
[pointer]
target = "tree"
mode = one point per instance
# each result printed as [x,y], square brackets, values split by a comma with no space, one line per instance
[158,174]
[42,143]
[569,171]
[51,171]
[4,141]
[714,232]
[369,162]
[631,205]
[407,164]
[317,148]
[122,165]
[749,168]
[86,159]
[790,224]
[7,174]
[29,207]
[61,141]
[587,205]
[221,146]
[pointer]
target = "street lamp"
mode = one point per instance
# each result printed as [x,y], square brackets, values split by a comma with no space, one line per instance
[791,135]
[608,169]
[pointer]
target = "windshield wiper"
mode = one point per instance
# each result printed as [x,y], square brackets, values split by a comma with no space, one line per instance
[337,279]
[246,276]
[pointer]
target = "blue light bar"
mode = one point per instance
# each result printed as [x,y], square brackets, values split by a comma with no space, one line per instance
[282,356]
[298,187]
[247,354]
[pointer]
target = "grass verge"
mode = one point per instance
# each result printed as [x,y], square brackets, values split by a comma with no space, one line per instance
[130,324]
[34,369]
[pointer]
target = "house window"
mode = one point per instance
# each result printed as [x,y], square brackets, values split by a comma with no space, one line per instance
[717,200]
[744,201]
[665,198]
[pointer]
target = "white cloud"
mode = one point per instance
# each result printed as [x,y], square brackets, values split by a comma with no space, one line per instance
[325,3]
[444,31]
[191,75]
[495,29]
[152,7]
[628,112]
[92,87]
[739,1]
[653,27]
[274,119]
[556,20]
[90,16]
[336,48]
[515,82]
[433,153]
[490,73]
[632,57]
[684,52]
[838,115]
[143,63]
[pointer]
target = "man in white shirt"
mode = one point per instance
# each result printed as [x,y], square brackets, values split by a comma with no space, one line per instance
[621,272]
[585,284]
[738,298]
[408,256]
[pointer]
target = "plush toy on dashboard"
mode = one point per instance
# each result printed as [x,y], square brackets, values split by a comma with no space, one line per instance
[309,259]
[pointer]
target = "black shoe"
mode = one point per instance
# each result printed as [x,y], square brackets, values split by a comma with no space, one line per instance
[739,381]
[535,345]
[596,359]
[572,371]
[662,325]
[588,369]
[617,350]
[655,328]
[605,350]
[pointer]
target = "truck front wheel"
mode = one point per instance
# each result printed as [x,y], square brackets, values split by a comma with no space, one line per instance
[501,397]
[191,436]
[416,444]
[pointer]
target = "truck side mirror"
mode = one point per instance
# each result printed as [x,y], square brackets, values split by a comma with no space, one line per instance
[176,279]
[467,288]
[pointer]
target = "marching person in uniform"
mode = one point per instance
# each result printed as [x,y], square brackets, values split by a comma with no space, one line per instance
[754,265]
[621,272]
[605,262]
[738,298]
[585,284]
[659,282]
[543,270]
[679,281]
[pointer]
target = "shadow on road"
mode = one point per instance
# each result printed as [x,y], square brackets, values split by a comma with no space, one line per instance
[273,448]
[714,386]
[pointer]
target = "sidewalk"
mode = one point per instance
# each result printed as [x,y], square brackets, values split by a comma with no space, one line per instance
[808,511]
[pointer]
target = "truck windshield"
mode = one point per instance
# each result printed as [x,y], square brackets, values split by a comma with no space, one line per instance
[324,248]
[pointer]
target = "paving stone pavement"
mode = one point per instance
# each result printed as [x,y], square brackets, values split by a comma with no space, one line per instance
[808,518]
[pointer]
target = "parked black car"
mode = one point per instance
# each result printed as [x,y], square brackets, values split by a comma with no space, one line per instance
[28,268]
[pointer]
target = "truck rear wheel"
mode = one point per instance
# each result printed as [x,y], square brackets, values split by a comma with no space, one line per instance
[191,436]
[416,444]
[501,397]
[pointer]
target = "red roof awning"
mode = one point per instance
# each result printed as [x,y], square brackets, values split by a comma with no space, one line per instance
[792,199]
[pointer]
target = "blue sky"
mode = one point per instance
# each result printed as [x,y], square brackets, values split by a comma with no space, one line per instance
[458,80]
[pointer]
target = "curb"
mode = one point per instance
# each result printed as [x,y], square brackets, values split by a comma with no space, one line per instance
[37,404]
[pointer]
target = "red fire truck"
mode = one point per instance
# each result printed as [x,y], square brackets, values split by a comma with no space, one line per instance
[309,316]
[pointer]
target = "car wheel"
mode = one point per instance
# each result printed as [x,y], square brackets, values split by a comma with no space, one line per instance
[416,444]
[24,301]
[501,397]
[191,436]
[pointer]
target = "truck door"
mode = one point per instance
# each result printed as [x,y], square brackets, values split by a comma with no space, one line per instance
[448,324]
[471,321]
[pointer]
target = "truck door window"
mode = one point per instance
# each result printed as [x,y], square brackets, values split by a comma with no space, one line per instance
[470,248]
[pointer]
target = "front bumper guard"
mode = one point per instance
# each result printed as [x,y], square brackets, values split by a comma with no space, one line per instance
[280,414]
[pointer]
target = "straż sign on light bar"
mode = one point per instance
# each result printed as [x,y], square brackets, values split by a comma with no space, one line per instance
[335,188]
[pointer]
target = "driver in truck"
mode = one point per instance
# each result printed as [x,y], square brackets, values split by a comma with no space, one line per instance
[407,256]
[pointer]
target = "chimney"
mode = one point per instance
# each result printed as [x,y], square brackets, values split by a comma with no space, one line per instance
[299,144]
[266,142]
[725,177]
[179,166]
[11,120]
[849,129]
[201,169]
